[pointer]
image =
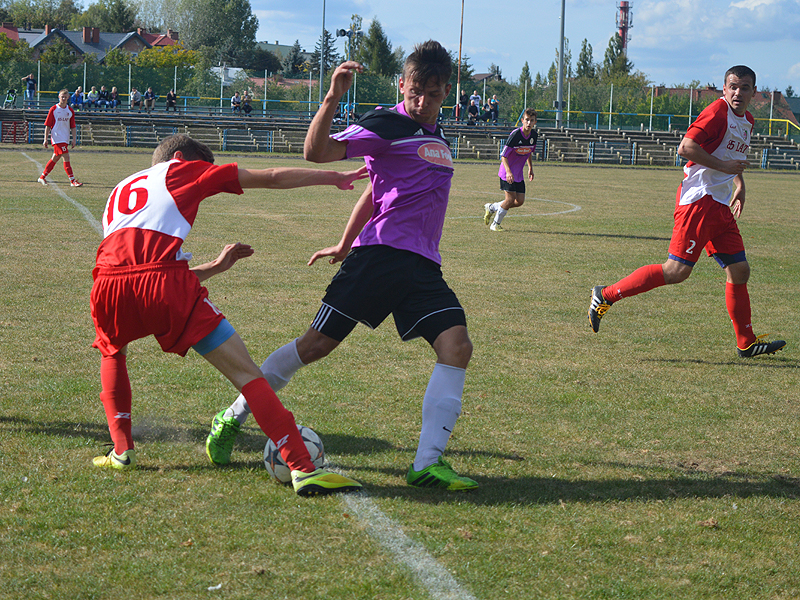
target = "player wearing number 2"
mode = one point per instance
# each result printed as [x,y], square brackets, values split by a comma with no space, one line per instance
[143,286]
[709,200]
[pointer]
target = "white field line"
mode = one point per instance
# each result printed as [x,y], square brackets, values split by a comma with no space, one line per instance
[434,577]
[441,585]
[81,208]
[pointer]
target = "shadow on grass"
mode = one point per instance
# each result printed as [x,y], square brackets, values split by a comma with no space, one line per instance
[661,485]
[762,362]
[619,236]
[647,483]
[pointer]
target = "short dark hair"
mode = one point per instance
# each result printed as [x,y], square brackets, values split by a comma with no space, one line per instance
[428,62]
[180,142]
[741,71]
[530,113]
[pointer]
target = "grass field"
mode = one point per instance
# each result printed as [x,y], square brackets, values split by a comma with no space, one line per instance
[646,461]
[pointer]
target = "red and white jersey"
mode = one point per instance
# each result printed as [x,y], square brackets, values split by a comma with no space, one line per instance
[725,135]
[149,214]
[60,121]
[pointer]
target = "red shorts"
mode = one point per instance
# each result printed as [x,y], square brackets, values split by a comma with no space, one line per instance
[163,300]
[707,224]
[60,149]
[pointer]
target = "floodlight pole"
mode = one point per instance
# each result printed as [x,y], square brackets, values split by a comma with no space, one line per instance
[560,86]
[322,56]
[458,76]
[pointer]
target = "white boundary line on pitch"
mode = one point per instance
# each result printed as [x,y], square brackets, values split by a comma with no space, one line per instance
[83,210]
[441,585]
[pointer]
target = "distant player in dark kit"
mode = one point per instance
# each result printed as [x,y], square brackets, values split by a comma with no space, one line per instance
[709,200]
[143,286]
[518,151]
[394,266]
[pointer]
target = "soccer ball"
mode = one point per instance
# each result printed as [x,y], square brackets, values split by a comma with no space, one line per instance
[273,460]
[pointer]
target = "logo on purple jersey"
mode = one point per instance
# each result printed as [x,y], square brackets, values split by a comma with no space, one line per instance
[436,153]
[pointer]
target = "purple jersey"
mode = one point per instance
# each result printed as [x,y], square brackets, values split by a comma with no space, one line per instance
[410,168]
[517,150]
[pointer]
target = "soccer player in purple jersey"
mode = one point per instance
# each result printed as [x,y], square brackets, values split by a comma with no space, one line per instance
[394,266]
[519,150]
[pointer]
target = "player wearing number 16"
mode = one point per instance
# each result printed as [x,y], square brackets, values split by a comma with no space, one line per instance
[143,286]
[708,203]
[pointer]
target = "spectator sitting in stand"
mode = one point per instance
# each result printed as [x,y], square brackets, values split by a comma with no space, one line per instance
[113,98]
[246,100]
[92,97]
[172,101]
[149,99]
[76,99]
[472,113]
[136,99]
[102,97]
[236,103]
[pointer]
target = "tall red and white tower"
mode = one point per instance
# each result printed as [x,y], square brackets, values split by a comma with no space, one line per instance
[624,22]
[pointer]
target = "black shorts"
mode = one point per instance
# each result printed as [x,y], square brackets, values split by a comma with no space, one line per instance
[376,281]
[517,187]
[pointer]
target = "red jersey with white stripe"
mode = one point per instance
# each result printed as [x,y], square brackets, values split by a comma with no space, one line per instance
[725,135]
[149,214]
[60,121]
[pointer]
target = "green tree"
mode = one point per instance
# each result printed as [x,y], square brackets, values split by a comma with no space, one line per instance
[525,75]
[615,62]
[118,58]
[789,92]
[39,13]
[376,51]
[60,52]
[552,73]
[114,16]
[293,62]
[10,51]
[585,67]
[225,27]
[258,61]
[496,71]
[332,58]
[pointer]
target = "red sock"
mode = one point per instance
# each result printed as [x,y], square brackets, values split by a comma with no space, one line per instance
[116,397]
[278,423]
[641,280]
[48,167]
[737,299]
[68,169]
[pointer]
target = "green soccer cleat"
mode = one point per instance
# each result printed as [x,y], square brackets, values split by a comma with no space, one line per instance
[487,213]
[321,483]
[496,227]
[760,347]
[598,306]
[441,475]
[219,443]
[124,462]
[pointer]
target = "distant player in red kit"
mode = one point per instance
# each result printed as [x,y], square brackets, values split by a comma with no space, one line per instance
[143,286]
[709,200]
[59,128]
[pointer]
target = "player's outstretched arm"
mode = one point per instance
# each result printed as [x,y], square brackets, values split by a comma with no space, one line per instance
[226,259]
[284,178]
[361,213]
[319,147]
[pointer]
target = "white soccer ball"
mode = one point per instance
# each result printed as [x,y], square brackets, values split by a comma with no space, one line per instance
[273,460]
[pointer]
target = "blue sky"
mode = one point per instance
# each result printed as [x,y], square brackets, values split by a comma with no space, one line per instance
[672,41]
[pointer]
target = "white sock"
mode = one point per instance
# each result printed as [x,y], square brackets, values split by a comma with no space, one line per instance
[441,406]
[278,370]
[499,215]
[494,206]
